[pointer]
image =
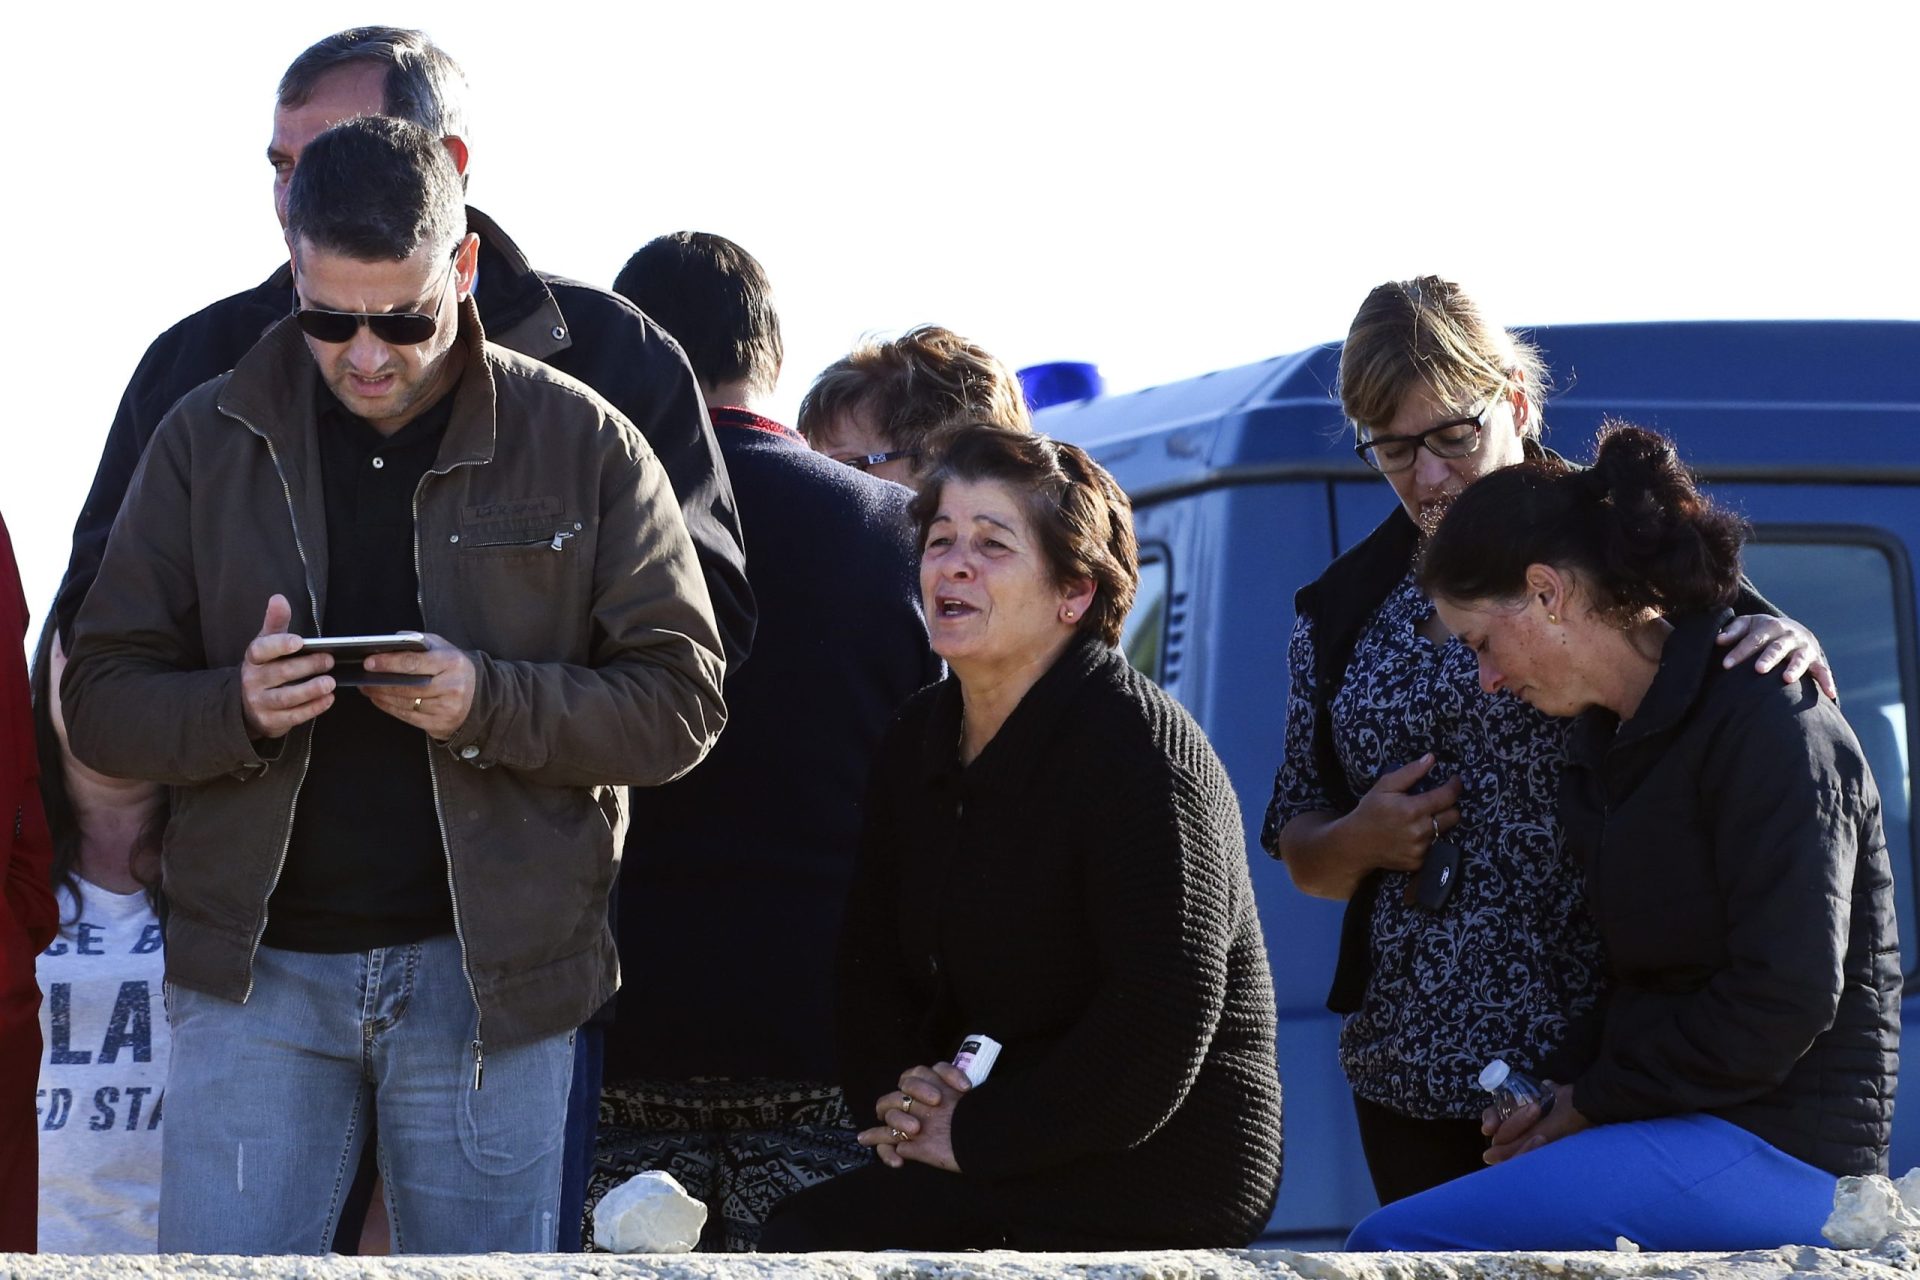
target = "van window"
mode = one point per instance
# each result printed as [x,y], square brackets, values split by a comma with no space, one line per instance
[1843,584]
[1143,636]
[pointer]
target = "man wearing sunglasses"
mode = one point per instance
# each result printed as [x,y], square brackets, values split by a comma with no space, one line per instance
[586,332]
[583,331]
[388,901]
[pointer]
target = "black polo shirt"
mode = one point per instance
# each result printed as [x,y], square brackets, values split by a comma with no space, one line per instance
[366,866]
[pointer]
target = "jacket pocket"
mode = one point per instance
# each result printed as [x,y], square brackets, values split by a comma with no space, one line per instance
[534,542]
[520,596]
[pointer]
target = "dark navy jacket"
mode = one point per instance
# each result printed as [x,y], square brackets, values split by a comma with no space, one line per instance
[731,895]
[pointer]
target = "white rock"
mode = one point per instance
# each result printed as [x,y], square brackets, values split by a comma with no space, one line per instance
[1623,1245]
[648,1213]
[1909,1184]
[1867,1210]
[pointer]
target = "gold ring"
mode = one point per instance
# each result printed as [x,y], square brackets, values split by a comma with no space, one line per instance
[1430,817]
[416,707]
[906,1103]
[897,1135]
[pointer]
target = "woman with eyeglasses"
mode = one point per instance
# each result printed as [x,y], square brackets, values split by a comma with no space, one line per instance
[879,407]
[1425,803]
[1729,834]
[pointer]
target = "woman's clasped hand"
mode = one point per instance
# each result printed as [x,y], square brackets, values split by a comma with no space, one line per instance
[916,1120]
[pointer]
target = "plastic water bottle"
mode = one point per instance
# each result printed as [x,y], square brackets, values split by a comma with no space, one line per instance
[1512,1089]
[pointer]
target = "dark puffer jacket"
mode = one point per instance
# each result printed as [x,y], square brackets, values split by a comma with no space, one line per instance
[1738,874]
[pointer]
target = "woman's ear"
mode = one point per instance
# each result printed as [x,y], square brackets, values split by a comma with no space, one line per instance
[1075,601]
[1522,404]
[1550,588]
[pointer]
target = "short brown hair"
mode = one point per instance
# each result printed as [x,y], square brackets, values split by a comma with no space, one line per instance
[925,381]
[1428,331]
[1080,516]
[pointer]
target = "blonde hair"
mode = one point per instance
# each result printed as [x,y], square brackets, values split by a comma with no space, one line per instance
[1428,332]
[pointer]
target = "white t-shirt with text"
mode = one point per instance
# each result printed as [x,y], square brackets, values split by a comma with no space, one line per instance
[102,1072]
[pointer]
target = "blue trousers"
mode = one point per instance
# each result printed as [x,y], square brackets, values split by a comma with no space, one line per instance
[1680,1182]
[268,1101]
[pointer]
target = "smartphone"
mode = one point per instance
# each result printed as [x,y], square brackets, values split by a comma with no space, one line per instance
[360,646]
[1432,887]
[349,651]
[1438,877]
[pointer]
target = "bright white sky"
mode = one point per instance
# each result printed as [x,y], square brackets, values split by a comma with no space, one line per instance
[1164,189]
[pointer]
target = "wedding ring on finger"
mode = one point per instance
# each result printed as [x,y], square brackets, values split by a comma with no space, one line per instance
[897,1135]
[416,707]
[906,1103]
[1433,818]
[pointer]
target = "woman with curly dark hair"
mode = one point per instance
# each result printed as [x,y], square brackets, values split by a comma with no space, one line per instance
[1729,835]
[1052,859]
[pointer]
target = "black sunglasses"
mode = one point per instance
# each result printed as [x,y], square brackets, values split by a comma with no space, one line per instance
[395,328]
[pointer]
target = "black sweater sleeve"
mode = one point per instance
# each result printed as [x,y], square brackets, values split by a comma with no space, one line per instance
[1161,907]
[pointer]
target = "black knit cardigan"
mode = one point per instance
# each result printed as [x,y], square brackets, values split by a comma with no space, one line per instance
[1080,893]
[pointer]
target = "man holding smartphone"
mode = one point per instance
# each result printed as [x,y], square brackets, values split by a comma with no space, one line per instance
[390,897]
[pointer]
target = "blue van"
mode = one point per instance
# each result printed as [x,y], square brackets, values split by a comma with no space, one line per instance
[1245,485]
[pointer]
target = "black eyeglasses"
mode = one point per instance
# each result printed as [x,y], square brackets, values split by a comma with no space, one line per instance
[868,461]
[1454,438]
[395,328]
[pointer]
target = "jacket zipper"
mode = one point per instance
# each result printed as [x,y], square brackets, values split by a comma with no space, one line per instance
[560,537]
[440,815]
[313,602]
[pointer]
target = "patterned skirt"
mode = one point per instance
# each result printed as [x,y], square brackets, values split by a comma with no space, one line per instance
[739,1146]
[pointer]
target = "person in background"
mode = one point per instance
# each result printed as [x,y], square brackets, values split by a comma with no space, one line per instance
[1395,755]
[877,407]
[1053,858]
[720,1063]
[105,1024]
[29,918]
[1728,830]
[393,900]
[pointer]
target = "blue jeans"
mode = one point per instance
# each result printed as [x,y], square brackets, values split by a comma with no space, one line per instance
[583,1125]
[1681,1182]
[267,1105]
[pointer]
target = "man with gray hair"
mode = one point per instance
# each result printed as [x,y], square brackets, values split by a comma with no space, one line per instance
[388,899]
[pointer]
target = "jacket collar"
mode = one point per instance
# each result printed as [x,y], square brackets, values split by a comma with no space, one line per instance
[1686,660]
[520,310]
[741,418]
[1009,763]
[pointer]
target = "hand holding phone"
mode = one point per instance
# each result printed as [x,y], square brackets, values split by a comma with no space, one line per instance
[1433,886]
[349,652]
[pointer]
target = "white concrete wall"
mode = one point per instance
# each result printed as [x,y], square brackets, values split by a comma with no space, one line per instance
[1896,1258]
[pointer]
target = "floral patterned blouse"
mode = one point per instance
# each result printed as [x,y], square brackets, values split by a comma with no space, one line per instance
[1513,958]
